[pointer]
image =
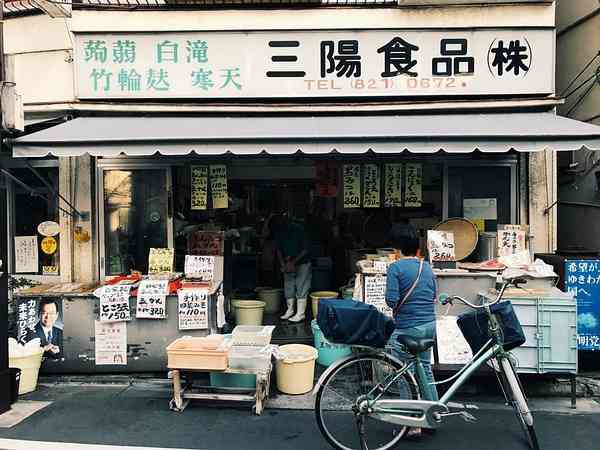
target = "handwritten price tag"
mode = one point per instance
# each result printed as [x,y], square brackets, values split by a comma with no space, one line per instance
[193,309]
[114,304]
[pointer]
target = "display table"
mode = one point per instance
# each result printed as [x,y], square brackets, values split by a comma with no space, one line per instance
[183,391]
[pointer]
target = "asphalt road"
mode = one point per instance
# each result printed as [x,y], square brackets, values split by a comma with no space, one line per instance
[140,417]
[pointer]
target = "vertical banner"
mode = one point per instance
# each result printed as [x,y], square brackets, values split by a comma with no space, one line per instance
[413,195]
[327,179]
[218,186]
[111,343]
[193,309]
[199,185]
[371,186]
[26,254]
[351,185]
[393,185]
[160,260]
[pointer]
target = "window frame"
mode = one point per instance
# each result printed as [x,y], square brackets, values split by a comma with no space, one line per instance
[103,166]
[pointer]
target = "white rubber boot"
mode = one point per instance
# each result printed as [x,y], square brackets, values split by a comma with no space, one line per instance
[289,312]
[300,313]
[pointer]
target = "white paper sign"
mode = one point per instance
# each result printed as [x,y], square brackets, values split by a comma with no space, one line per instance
[202,267]
[111,343]
[451,344]
[375,293]
[380,266]
[151,306]
[193,309]
[480,208]
[114,303]
[26,254]
[440,245]
[154,287]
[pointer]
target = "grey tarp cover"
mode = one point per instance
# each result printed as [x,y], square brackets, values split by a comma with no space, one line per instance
[452,133]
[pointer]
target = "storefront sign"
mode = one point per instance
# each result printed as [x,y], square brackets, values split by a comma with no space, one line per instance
[206,243]
[26,254]
[48,228]
[393,185]
[511,242]
[371,186]
[199,182]
[193,309]
[351,180]
[201,267]
[440,245]
[218,186]
[375,293]
[49,245]
[111,343]
[413,195]
[114,303]
[480,208]
[452,348]
[327,179]
[583,282]
[346,63]
[160,260]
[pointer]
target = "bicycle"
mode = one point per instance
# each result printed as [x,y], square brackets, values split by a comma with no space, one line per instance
[375,397]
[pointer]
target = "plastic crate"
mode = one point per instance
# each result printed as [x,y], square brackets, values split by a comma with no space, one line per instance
[254,335]
[249,357]
[549,321]
[191,353]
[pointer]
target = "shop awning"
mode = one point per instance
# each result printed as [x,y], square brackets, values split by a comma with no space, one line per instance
[452,133]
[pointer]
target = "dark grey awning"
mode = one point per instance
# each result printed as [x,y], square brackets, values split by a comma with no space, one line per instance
[452,133]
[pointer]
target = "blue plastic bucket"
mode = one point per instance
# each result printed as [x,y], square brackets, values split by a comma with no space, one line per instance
[328,352]
[233,380]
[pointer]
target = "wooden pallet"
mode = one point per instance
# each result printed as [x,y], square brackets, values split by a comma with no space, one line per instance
[183,392]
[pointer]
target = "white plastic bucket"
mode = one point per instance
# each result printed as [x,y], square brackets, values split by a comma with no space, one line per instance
[249,312]
[316,296]
[30,367]
[296,371]
[272,298]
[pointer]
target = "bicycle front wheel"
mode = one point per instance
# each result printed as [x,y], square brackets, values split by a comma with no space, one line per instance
[336,406]
[516,397]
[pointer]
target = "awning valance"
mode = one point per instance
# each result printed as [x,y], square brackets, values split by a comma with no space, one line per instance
[452,133]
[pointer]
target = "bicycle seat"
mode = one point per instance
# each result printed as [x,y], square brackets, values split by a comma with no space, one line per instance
[415,345]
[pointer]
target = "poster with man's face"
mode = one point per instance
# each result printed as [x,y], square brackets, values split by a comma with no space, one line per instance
[41,318]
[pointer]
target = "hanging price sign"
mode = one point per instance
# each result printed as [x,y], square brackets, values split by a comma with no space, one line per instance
[351,179]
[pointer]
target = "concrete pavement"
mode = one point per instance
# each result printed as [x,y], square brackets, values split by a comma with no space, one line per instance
[138,415]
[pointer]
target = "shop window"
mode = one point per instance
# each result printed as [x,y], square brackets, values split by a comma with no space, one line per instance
[28,211]
[492,183]
[135,218]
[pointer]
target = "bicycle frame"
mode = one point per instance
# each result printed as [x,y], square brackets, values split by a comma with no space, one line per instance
[427,413]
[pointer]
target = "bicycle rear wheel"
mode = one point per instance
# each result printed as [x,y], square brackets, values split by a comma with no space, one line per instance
[516,397]
[338,397]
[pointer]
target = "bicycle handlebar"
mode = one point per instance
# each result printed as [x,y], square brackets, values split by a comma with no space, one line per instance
[444,300]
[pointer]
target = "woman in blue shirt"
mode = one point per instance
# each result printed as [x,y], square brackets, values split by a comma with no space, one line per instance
[416,316]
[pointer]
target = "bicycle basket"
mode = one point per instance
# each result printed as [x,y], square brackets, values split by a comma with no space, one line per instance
[474,327]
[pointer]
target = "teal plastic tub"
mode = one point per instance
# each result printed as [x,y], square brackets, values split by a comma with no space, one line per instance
[328,352]
[233,380]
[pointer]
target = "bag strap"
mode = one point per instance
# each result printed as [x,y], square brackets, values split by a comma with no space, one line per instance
[410,291]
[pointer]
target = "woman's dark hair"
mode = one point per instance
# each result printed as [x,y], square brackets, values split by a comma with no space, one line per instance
[403,237]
